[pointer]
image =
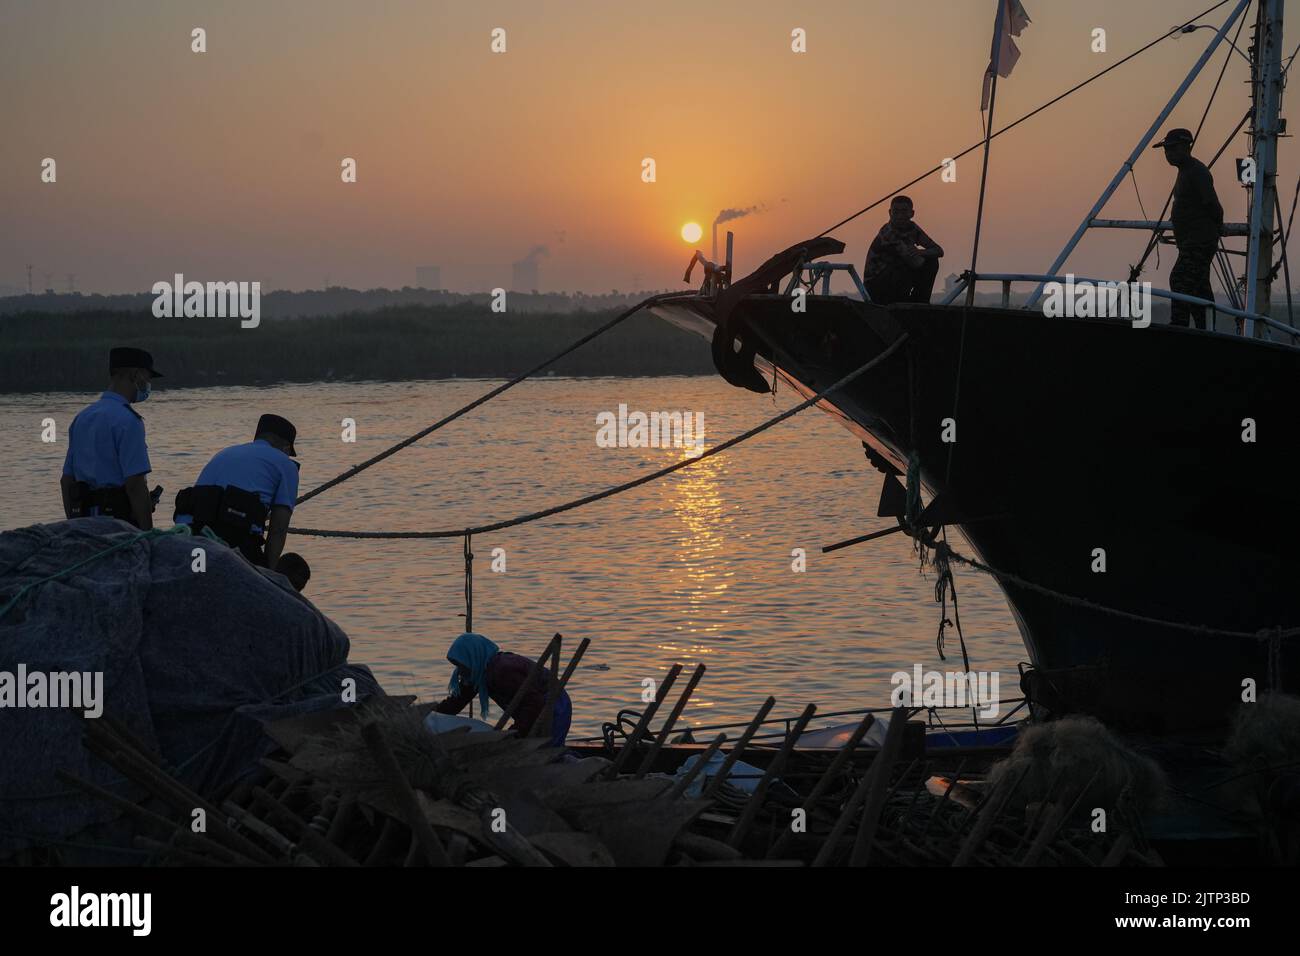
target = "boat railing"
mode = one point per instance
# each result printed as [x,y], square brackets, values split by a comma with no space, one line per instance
[810,273]
[1009,278]
[822,272]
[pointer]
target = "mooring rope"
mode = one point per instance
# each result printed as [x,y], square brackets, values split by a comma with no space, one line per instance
[944,586]
[627,485]
[1272,634]
[469,588]
[484,399]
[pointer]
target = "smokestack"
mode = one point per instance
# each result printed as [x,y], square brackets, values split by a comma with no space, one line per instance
[726,215]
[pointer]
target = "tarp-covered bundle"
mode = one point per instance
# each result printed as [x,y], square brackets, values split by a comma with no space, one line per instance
[195,655]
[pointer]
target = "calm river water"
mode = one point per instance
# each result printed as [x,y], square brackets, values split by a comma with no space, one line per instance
[692,568]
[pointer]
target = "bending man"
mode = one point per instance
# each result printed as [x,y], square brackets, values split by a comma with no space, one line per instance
[242,487]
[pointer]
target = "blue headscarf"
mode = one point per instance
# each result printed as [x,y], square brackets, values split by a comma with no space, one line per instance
[472,651]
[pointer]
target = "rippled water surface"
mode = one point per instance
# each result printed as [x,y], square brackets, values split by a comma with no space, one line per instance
[692,568]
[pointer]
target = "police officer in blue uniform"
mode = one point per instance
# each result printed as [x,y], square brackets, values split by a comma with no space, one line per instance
[246,490]
[107,461]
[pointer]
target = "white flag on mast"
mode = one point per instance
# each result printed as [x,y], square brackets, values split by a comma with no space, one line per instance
[1005,53]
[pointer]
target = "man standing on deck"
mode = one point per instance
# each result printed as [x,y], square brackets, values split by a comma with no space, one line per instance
[242,487]
[107,461]
[1198,222]
[902,261]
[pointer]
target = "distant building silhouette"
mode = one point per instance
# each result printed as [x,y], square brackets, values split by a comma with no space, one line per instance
[428,277]
[523,277]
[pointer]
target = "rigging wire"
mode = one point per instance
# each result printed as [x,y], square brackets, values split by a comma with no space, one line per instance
[1132,174]
[1286,266]
[1153,241]
[1227,280]
[1030,114]
[1288,61]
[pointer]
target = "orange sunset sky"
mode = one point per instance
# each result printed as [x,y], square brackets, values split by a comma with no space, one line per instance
[225,165]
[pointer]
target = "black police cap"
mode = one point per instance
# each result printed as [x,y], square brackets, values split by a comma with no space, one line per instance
[276,425]
[1174,137]
[123,357]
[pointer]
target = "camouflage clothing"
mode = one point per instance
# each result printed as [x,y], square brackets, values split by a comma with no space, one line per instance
[1191,276]
[893,275]
[1197,215]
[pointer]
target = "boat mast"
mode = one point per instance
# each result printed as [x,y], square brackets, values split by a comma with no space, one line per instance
[1266,82]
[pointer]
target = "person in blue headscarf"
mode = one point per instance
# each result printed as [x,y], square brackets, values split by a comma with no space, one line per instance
[485,671]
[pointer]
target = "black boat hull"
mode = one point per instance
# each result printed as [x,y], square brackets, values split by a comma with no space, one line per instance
[1074,435]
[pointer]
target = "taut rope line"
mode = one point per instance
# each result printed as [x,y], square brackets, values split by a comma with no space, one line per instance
[626,486]
[484,399]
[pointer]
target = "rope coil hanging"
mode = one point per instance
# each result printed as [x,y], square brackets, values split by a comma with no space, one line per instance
[469,585]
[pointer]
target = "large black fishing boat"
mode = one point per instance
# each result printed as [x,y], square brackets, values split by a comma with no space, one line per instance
[1119,481]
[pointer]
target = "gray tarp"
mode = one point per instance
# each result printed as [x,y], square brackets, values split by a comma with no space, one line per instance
[192,663]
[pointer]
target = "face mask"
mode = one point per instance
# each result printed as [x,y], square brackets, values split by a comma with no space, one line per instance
[142,394]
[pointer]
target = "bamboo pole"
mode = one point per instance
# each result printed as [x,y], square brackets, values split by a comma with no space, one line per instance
[831,843]
[307,837]
[988,815]
[196,841]
[541,726]
[662,737]
[573,661]
[741,743]
[1052,820]
[881,769]
[401,790]
[774,767]
[147,774]
[685,782]
[643,724]
[826,779]
[527,684]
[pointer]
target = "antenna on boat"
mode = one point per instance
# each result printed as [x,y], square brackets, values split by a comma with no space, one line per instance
[1266,83]
[994,65]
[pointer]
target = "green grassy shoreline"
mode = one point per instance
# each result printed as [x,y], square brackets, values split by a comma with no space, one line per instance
[68,352]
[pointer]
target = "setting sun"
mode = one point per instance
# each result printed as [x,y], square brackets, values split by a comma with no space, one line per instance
[691,232]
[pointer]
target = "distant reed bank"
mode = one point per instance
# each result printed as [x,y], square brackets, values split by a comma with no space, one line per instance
[69,352]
